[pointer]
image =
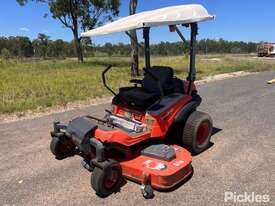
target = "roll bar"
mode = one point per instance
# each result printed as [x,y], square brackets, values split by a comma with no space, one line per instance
[146,36]
[192,68]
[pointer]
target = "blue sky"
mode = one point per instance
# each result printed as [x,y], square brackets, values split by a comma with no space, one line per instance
[245,20]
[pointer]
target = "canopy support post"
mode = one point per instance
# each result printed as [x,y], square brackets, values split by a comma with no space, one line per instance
[146,32]
[192,70]
[180,35]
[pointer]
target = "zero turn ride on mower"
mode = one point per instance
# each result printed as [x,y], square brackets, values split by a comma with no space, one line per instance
[133,140]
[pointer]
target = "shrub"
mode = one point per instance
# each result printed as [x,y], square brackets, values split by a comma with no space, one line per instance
[5,54]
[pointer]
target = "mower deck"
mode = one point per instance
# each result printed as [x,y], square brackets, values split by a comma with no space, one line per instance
[161,174]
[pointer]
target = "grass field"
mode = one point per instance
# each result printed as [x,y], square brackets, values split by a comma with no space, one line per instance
[33,84]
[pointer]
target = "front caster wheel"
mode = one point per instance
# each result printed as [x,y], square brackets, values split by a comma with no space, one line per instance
[107,180]
[61,147]
[147,191]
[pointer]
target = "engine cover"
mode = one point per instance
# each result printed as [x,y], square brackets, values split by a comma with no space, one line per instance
[161,151]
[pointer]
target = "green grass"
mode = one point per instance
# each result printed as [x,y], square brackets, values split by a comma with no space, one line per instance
[31,84]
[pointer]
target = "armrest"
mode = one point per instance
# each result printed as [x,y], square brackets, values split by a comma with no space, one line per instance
[136,81]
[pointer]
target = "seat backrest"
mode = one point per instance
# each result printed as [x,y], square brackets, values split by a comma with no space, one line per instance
[164,75]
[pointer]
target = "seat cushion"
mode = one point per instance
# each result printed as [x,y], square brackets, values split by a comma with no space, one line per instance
[136,96]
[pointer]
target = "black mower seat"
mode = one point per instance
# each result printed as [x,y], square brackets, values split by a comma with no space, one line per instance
[149,92]
[165,77]
[137,96]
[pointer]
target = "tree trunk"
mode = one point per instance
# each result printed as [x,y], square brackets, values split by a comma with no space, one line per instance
[78,47]
[134,45]
[79,50]
[74,28]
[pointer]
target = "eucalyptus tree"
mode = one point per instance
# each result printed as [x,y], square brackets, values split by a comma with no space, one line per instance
[80,15]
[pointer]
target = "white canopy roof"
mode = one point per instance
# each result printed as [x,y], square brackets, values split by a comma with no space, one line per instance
[174,15]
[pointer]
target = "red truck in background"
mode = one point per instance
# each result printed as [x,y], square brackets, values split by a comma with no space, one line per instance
[266,50]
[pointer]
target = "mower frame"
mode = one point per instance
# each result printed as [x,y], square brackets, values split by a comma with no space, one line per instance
[139,154]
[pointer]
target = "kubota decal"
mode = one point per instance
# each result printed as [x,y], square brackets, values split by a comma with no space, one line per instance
[150,164]
[178,163]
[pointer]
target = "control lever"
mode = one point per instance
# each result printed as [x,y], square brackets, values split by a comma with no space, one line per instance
[104,79]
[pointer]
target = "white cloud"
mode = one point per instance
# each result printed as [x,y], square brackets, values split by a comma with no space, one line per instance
[24,29]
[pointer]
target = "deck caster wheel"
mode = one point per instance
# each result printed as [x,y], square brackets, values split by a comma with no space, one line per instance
[147,191]
[107,180]
[61,147]
[197,132]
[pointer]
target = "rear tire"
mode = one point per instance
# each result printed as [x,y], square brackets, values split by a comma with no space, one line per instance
[106,181]
[197,132]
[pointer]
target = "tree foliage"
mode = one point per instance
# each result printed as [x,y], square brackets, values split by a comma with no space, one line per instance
[44,47]
[204,46]
[80,15]
[87,13]
[41,47]
[17,46]
[5,54]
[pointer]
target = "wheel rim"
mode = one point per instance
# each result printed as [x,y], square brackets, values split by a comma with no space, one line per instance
[58,147]
[202,133]
[111,180]
[64,148]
